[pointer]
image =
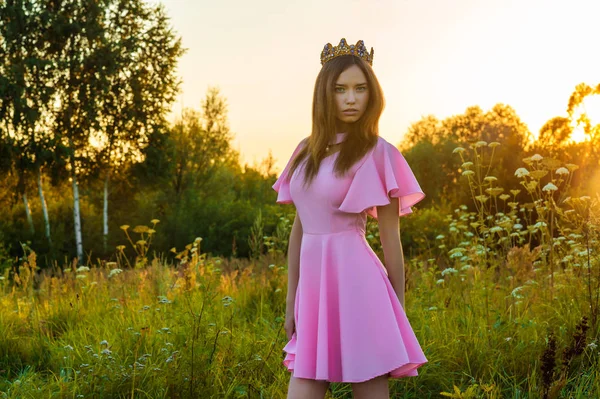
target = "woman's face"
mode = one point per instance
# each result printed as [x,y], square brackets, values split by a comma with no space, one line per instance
[351,93]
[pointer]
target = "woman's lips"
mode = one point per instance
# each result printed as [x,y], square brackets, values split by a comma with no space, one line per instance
[350,112]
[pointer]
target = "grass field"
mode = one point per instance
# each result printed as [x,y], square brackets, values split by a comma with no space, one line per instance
[497,317]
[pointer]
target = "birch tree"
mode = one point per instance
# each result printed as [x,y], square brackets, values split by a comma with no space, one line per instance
[140,85]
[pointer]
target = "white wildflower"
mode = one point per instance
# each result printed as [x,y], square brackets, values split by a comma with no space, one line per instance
[515,292]
[536,157]
[550,187]
[468,173]
[440,281]
[439,237]
[81,269]
[449,270]
[481,143]
[517,226]
[562,171]
[458,149]
[521,172]
[114,272]
[496,229]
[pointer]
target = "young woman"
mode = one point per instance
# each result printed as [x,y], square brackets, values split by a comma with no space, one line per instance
[345,317]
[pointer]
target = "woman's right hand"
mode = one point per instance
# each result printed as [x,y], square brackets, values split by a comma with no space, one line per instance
[289,325]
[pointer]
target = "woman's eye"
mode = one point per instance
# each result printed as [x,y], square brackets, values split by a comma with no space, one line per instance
[341,89]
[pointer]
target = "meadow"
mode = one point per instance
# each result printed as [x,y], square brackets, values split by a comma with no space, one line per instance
[504,302]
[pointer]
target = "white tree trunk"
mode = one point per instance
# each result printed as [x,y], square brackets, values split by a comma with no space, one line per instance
[28,213]
[106,211]
[44,207]
[77,217]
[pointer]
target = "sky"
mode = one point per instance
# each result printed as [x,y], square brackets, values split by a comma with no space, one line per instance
[430,56]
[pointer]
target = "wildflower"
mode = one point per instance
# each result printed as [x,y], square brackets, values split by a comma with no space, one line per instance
[539,224]
[567,258]
[81,276]
[536,157]
[494,191]
[521,172]
[140,229]
[433,307]
[440,281]
[83,269]
[120,247]
[507,339]
[562,171]
[456,255]
[517,226]
[106,352]
[482,198]
[468,173]
[493,144]
[550,187]
[490,178]
[449,270]
[466,165]
[572,166]
[592,345]
[504,197]
[458,149]
[439,237]
[515,293]
[496,229]
[124,227]
[163,299]
[68,347]
[154,221]
[114,272]
[481,144]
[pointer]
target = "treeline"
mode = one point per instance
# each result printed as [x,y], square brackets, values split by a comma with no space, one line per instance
[85,148]
[429,143]
[85,87]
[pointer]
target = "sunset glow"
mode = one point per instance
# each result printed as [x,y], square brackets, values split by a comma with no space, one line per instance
[431,57]
[591,107]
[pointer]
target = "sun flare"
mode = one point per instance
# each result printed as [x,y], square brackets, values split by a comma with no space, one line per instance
[591,107]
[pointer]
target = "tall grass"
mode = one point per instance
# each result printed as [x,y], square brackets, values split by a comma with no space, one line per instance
[503,299]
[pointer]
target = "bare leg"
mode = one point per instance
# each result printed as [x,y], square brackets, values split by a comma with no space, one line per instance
[376,388]
[304,388]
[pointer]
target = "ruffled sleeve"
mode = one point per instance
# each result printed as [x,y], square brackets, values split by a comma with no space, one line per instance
[282,185]
[385,173]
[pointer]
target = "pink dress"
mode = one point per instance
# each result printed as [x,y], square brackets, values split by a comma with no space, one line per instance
[350,325]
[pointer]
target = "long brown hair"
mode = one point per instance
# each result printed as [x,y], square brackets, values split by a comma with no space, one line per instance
[361,136]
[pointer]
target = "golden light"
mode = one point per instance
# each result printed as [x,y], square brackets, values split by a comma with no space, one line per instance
[591,107]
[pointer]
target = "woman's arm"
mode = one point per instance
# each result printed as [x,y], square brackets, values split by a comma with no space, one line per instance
[293,262]
[389,233]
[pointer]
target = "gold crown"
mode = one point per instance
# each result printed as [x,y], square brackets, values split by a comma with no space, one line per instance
[359,50]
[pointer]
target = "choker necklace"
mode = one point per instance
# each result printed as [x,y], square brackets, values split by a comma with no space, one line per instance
[339,138]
